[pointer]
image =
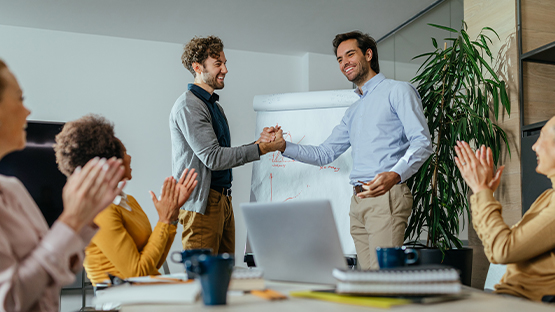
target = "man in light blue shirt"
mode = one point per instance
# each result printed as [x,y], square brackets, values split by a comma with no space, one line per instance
[390,140]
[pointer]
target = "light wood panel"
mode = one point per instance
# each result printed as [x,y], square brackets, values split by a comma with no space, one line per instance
[501,16]
[538,23]
[539,92]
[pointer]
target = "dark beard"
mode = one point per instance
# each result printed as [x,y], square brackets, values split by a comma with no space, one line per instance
[363,73]
[212,81]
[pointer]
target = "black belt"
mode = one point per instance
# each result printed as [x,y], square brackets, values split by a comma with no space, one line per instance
[222,190]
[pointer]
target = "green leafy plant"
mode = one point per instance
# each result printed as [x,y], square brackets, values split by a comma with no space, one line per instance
[461,96]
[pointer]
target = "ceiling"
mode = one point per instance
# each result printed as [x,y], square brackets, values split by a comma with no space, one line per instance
[291,27]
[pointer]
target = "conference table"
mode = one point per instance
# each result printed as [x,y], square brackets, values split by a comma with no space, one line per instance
[474,301]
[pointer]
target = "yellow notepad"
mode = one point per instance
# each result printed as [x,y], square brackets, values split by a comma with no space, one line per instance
[377,302]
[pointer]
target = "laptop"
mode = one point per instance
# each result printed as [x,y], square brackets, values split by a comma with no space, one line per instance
[294,241]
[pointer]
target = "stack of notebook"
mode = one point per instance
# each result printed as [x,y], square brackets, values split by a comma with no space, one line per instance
[244,279]
[417,280]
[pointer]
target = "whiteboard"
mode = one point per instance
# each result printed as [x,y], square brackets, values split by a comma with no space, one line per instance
[306,118]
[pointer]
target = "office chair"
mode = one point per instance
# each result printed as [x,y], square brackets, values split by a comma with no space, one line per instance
[495,273]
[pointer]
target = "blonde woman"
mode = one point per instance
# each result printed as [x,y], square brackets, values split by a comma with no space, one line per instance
[35,261]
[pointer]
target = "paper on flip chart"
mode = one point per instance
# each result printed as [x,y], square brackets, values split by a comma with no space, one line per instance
[306,118]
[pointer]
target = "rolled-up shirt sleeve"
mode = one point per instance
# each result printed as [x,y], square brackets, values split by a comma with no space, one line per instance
[408,106]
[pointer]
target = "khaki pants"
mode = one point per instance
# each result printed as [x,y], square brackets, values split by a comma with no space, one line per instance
[379,222]
[215,229]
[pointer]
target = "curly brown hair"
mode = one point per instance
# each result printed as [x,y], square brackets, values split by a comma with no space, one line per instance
[198,49]
[83,139]
[2,81]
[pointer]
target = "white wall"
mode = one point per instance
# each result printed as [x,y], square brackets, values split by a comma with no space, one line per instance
[321,72]
[134,84]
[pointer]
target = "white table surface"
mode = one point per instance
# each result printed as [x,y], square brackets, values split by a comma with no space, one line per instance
[477,301]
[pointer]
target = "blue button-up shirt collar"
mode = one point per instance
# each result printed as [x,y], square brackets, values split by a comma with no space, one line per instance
[370,85]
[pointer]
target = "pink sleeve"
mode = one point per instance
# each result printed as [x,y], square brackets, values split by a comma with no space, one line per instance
[23,281]
[86,236]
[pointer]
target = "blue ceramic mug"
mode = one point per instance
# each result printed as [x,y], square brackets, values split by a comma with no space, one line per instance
[395,257]
[214,273]
[186,256]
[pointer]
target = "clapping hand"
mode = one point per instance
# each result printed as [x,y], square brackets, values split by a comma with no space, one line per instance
[186,185]
[166,205]
[477,168]
[174,195]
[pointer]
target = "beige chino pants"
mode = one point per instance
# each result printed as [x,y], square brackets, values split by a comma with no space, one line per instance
[379,222]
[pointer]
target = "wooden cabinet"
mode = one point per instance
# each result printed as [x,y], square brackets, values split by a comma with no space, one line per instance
[536,88]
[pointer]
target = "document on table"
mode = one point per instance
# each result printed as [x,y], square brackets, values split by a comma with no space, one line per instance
[170,293]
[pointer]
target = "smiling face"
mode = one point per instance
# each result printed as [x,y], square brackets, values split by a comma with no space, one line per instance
[353,63]
[13,115]
[545,149]
[211,74]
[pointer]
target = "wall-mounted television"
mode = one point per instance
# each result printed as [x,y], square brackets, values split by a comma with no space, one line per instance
[36,167]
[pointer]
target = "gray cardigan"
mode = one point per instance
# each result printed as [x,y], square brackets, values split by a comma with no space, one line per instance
[195,145]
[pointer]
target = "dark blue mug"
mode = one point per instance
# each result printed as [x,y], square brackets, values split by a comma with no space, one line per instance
[214,273]
[393,257]
[186,256]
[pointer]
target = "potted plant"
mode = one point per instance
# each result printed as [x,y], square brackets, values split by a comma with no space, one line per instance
[461,97]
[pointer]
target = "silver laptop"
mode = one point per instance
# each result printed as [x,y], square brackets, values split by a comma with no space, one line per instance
[294,241]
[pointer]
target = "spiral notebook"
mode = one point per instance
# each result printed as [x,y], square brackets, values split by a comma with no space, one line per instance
[420,280]
[243,279]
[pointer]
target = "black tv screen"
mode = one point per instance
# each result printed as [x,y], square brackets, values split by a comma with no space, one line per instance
[36,167]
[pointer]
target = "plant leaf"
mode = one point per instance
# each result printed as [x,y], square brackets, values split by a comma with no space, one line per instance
[444,28]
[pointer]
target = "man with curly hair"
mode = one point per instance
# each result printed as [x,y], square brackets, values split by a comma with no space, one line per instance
[201,140]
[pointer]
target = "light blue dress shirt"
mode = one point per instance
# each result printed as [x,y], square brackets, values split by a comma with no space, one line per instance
[386,129]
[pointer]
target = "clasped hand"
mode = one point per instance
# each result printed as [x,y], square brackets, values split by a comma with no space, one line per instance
[477,167]
[271,139]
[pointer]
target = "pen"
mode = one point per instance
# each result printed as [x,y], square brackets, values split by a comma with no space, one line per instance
[167,278]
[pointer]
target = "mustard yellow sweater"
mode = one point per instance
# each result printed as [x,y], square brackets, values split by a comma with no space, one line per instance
[528,247]
[125,245]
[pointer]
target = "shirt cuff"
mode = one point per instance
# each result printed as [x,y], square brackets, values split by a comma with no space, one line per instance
[165,230]
[480,201]
[56,249]
[291,150]
[87,233]
[401,168]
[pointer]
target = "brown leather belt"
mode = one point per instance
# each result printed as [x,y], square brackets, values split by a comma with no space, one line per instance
[357,189]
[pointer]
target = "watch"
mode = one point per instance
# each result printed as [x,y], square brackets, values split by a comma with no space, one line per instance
[174,222]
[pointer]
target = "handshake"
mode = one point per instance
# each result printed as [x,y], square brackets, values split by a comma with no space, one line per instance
[271,140]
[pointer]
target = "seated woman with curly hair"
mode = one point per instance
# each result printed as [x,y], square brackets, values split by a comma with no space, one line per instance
[125,246]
